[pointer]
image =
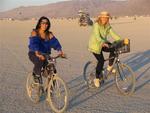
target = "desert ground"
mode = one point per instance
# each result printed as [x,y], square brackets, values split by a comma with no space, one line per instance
[15,65]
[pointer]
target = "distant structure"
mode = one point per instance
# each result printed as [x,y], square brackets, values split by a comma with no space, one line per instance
[33,18]
[134,17]
[84,18]
[10,19]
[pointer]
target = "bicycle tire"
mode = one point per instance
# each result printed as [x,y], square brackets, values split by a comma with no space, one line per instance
[51,90]
[124,74]
[89,73]
[29,88]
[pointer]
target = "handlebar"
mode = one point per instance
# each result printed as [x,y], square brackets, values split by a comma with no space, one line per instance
[48,57]
[59,56]
[117,44]
[122,46]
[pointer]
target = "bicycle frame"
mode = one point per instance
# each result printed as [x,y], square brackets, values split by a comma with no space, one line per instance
[116,62]
[48,71]
[51,70]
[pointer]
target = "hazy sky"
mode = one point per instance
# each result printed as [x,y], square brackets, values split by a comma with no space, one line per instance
[10,4]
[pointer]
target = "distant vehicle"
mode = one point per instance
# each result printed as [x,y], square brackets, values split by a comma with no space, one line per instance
[84,18]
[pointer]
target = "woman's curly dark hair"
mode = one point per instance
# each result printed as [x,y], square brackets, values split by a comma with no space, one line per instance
[39,23]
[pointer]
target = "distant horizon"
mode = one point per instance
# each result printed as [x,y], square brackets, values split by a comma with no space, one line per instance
[6,5]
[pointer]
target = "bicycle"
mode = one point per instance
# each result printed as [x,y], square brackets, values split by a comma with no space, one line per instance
[54,88]
[124,75]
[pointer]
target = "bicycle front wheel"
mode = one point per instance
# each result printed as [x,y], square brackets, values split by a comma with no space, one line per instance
[125,79]
[33,89]
[57,94]
[89,73]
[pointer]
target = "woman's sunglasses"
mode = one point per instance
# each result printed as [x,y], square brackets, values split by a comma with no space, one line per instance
[46,23]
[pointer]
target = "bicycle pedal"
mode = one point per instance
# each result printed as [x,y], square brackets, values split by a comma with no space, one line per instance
[102,82]
[34,85]
[105,77]
[47,99]
[91,85]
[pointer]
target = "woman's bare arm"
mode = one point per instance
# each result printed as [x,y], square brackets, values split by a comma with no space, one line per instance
[33,33]
[50,35]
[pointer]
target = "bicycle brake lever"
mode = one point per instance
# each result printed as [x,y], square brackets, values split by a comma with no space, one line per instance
[64,56]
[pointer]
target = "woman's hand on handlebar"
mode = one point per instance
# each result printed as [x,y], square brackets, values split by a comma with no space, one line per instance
[61,54]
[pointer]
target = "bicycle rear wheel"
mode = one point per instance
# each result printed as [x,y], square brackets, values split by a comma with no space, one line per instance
[89,73]
[125,79]
[57,94]
[33,90]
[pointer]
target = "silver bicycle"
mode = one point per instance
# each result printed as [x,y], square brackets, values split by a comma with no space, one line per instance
[54,87]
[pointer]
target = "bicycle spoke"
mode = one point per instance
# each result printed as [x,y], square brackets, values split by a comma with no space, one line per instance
[125,79]
[58,99]
[32,89]
[89,73]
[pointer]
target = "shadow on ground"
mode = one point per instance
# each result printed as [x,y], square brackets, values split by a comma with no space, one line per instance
[78,87]
[137,62]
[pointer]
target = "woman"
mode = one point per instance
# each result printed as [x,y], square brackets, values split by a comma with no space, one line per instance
[40,42]
[98,43]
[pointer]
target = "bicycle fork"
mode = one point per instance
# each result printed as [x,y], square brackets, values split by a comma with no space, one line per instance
[120,69]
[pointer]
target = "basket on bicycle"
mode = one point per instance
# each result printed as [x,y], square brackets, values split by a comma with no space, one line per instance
[123,46]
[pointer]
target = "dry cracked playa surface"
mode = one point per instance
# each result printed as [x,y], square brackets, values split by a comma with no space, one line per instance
[14,66]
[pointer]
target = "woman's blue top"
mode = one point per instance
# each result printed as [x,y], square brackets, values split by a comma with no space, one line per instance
[43,46]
